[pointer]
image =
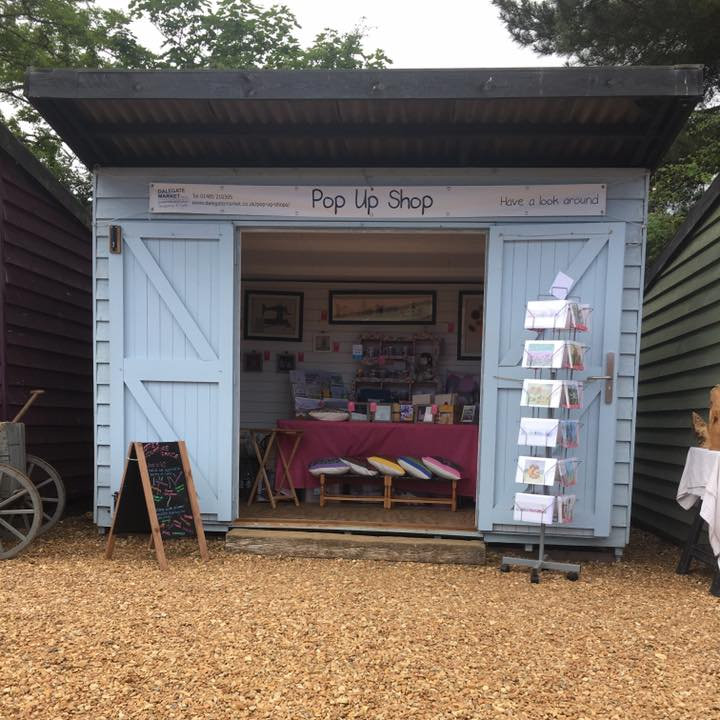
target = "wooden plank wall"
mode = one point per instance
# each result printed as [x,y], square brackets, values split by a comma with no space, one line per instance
[679,363]
[265,396]
[47,325]
[122,193]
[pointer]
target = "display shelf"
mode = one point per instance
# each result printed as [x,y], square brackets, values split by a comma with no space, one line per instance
[416,357]
[566,331]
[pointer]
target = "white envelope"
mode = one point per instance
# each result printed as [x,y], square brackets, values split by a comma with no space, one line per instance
[533,508]
[538,432]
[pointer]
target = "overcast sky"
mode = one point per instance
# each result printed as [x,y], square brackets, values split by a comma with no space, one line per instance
[413,33]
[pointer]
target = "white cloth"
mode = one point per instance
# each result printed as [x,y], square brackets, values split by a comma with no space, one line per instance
[701,481]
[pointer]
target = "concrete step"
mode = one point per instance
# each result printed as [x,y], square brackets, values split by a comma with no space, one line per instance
[291,543]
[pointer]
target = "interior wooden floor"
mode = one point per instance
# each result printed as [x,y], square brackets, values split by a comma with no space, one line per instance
[360,516]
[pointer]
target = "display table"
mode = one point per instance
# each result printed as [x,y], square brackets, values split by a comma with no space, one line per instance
[701,481]
[458,443]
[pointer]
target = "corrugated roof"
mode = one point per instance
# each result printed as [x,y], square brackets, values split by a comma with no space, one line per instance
[600,117]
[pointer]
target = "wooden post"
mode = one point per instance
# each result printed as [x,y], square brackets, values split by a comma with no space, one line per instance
[111,536]
[197,519]
[147,491]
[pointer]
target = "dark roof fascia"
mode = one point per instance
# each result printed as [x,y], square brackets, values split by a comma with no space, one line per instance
[471,83]
[33,167]
[697,213]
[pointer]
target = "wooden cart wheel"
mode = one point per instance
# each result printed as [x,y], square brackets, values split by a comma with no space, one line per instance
[20,511]
[49,484]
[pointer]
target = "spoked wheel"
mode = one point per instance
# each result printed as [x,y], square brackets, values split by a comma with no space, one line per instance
[20,511]
[48,483]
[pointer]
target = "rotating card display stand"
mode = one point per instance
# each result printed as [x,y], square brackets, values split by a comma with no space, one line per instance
[548,468]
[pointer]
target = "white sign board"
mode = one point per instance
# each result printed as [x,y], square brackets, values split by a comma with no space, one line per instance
[392,202]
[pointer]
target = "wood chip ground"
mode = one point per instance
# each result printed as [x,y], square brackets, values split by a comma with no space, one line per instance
[257,637]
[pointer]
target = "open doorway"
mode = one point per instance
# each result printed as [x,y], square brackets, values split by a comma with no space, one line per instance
[368,345]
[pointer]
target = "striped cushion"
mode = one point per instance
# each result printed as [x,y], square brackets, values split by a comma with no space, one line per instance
[414,467]
[328,466]
[358,466]
[385,466]
[442,467]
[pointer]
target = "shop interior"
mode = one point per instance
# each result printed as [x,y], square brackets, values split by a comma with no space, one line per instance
[359,359]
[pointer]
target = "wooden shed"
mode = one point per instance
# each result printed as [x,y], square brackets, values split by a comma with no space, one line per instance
[46,313]
[679,363]
[236,211]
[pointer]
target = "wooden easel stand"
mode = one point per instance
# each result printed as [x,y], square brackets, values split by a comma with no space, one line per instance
[156,540]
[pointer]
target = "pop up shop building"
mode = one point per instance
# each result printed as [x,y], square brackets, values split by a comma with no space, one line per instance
[376,235]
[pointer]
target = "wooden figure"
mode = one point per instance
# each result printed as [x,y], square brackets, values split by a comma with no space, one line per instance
[708,433]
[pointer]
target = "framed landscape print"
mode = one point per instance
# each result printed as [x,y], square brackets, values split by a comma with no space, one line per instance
[470,325]
[382,307]
[273,315]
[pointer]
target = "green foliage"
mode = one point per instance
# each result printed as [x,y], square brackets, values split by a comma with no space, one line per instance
[620,32]
[196,34]
[640,32]
[678,184]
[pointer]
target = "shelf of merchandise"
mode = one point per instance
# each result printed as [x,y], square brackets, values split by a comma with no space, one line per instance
[415,344]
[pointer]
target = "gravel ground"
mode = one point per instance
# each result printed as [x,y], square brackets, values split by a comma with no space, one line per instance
[254,637]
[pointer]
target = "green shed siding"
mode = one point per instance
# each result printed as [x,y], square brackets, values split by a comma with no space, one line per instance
[679,363]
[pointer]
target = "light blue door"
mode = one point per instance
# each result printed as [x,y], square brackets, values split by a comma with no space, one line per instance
[522,261]
[171,349]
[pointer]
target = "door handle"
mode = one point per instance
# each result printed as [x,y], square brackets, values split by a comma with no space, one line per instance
[609,378]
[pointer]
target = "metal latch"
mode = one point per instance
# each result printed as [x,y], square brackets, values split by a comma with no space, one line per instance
[609,378]
[115,239]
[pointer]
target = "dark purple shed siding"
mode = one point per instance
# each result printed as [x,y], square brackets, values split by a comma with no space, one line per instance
[46,316]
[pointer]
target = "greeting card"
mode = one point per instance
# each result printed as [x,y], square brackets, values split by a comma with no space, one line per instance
[541,393]
[536,470]
[568,436]
[573,355]
[572,394]
[567,471]
[533,508]
[538,432]
[543,354]
[564,508]
[548,315]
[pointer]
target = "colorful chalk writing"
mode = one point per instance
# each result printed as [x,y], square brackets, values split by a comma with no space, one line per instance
[169,489]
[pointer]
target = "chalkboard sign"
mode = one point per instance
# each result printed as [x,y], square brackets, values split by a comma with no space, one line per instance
[157,495]
[169,489]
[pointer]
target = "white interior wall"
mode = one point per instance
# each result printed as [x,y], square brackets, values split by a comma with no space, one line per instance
[328,261]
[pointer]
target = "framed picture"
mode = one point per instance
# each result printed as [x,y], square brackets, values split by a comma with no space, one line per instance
[470,325]
[382,307]
[253,362]
[383,413]
[285,362]
[468,414]
[321,343]
[424,414]
[273,315]
[407,412]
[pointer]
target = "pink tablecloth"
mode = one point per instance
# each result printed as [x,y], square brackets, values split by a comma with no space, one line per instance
[320,439]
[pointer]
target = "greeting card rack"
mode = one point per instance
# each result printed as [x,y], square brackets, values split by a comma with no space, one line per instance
[558,335]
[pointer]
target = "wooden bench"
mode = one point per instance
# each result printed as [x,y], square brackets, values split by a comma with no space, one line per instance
[451,500]
[386,481]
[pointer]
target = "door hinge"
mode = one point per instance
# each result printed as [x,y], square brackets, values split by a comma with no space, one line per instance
[115,239]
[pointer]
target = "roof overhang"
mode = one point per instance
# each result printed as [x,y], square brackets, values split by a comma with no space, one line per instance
[541,117]
[19,154]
